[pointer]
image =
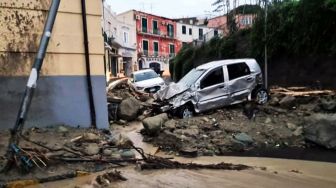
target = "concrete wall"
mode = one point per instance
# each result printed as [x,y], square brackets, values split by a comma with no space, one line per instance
[61,95]
[195,32]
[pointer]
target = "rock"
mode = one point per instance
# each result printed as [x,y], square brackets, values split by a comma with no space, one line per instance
[129,109]
[153,124]
[90,137]
[287,102]
[62,129]
[274,101]
[127,154]
[107,152]
[244,138]
[123,141]
[268,120]
[298,131]
[188,132]
[170,124]
[205,119]
[188,152]
[291,126]
[328,105]
[92,149]
[321,129]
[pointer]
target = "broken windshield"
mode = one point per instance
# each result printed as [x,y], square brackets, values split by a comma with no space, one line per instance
[191,77]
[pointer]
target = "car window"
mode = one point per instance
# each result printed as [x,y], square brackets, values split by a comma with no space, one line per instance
[238,70]
[212,78]
[145,76]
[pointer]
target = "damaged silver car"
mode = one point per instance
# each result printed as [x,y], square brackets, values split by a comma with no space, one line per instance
[213,85]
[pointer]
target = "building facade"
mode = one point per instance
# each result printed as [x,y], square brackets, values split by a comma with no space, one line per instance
[156,39]
[243,21]
[187,33]
[61,96]
[120,45]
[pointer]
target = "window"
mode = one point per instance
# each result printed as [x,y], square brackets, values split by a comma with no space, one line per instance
[144,25]
[216,32]
[184,29]
[238,70]
[155,27]
[170,30]
[156,48]
[191,22]
[145,47]
[125,37]
[200,34]
[190,31]
[212,78]
[171,50]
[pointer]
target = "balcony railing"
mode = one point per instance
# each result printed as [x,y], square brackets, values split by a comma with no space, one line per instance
[152,32]
[147,53]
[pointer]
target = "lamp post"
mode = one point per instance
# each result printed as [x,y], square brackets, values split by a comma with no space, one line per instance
[266,63]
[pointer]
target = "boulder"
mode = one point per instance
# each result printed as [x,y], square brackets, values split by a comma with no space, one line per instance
[321,129]
[298,131]
[274,101]
[170,124]
[127,154]
[129,109]
[244,138]
[328,105]
[91,149]
[90,137]
[153,124]
[287,102]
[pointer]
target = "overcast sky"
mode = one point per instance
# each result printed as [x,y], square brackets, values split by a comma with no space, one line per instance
[168,8]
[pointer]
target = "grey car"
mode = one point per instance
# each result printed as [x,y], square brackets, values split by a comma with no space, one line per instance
[213,85]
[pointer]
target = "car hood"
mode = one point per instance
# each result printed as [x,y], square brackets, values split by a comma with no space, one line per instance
[172,90]
[149,83]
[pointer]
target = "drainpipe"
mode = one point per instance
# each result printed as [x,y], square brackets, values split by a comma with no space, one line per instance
[88,70]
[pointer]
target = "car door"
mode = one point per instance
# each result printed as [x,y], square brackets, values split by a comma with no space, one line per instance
[212,91]
[241,81]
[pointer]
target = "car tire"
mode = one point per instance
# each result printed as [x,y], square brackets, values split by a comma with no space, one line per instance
[260,96]
[185,111]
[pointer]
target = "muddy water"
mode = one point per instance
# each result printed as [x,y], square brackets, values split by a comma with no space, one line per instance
[278,172]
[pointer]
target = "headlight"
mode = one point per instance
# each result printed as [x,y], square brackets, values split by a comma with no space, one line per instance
[162,83]
[139,88]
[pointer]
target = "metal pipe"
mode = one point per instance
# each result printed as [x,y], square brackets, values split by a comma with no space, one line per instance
[32,82]
[266,63]
[88,70]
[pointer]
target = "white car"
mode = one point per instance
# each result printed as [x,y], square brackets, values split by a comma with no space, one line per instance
[147,81]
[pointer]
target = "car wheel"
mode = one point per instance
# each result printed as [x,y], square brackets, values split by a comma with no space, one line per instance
[185,111]
[261,96]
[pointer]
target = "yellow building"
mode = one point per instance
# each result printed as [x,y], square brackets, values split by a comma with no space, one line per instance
[61,96]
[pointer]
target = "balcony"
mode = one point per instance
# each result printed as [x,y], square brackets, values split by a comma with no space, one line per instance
[145,30]
[157,54]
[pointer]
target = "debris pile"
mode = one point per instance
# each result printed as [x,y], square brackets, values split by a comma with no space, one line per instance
[126,104]
[289,120]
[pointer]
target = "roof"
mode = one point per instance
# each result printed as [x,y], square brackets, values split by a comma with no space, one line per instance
[225,62]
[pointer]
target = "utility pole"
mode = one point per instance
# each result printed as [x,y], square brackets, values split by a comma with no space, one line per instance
[266,65]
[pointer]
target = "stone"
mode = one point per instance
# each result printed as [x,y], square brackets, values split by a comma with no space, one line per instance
[298,131]
[274,101]
[62,129]
[170,124]
[321,129]
[90,137]
[205,119]
[107,152]
[268,120]
[129,109]
[291,126]
[123,141]
[187,132]
[328,105]
[127,154]
[287,102]
[154,124]
[244,138]
[92,149]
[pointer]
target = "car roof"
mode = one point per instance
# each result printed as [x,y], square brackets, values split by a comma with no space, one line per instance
[143,71]
[250,62]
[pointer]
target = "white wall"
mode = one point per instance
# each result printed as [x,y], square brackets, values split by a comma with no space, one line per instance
[195,32]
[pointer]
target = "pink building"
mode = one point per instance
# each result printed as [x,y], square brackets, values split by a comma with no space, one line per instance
[243,21]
